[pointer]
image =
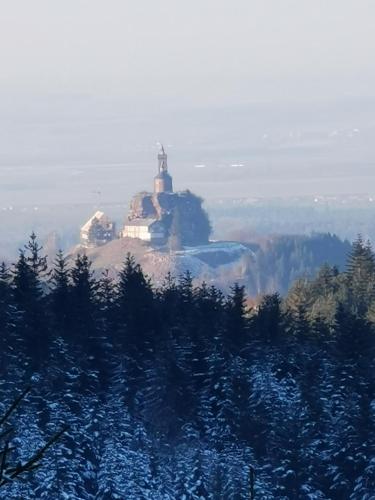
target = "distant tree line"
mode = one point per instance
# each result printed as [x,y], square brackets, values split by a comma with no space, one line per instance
[280,260]
[175,392]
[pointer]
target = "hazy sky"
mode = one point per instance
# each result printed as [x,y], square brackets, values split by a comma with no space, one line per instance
[190,52]
[99,82]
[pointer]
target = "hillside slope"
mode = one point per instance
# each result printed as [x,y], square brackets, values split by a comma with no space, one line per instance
[262,266]
[206,262]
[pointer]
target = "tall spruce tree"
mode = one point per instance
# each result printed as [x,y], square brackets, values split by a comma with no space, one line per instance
[236,318]
[360,275]
[135,304]
[84,294]
[269,317]
[60,294]
[8,313]
[186,295]
[106,295]
[37,262]
[29,274]
[168,300]
[10,343]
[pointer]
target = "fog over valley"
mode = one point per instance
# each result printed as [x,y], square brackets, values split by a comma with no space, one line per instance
[62,156]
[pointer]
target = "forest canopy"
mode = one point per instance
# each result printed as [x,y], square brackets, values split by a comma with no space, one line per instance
[176,391]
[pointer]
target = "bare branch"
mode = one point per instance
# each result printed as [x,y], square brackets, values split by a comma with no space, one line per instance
[14,405]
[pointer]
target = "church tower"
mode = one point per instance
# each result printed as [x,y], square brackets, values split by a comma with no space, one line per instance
[163,181]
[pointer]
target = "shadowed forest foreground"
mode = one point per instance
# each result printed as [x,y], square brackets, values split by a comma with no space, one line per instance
[173,393]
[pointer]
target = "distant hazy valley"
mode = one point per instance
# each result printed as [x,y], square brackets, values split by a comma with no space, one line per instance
[249,165]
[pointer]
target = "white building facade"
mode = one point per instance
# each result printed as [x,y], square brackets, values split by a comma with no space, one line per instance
[151,230]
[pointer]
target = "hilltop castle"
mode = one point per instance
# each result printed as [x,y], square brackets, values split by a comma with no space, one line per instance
[158,217]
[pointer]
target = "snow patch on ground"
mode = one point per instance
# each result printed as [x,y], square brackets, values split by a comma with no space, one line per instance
[215,246]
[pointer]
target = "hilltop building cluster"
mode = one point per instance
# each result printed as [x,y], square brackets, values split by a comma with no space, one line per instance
[156,217]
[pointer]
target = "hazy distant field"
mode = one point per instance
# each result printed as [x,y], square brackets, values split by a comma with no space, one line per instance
[63,158]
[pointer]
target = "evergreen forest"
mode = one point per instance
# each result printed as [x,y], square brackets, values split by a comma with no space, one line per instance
[178,391]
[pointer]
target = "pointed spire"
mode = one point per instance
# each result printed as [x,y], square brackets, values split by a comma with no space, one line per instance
[162,159]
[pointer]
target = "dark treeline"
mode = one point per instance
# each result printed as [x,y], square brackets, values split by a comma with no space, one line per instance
[173,393]
[281,259]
